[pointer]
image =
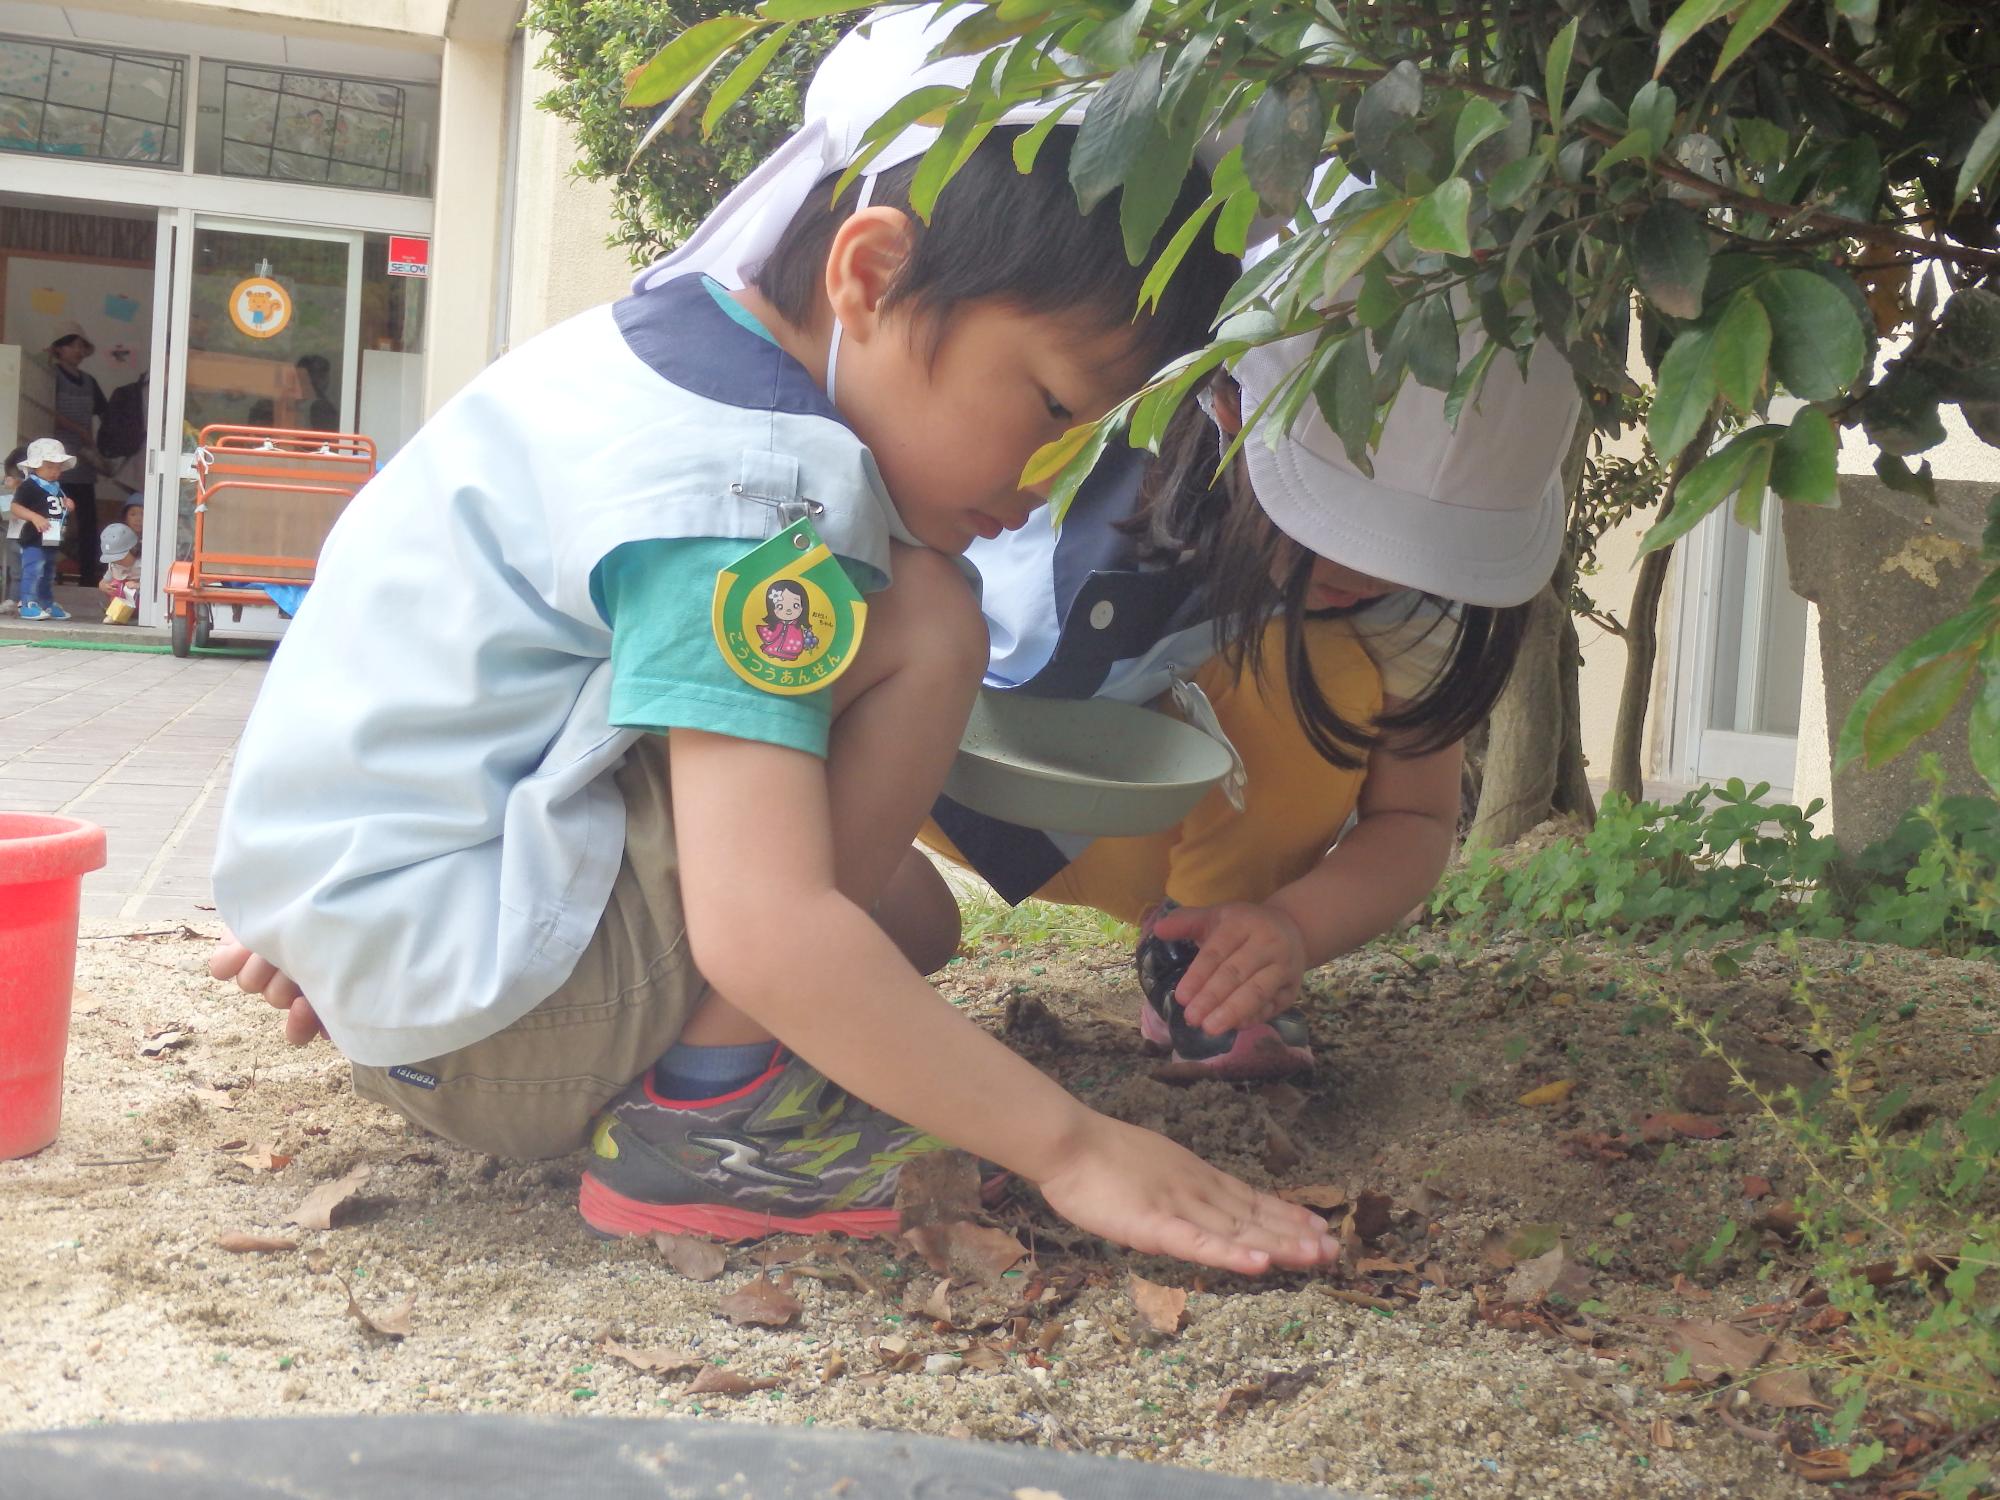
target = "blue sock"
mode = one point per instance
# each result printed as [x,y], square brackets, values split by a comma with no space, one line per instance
[686,1072]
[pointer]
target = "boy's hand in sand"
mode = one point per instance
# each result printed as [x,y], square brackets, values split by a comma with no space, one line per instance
[1250,967]
[259,976]
[1140,1189]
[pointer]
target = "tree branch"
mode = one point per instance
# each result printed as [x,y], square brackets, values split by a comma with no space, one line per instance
[1715,192]
[1862,81]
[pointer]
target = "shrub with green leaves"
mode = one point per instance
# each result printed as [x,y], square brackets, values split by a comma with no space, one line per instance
[1741,869]
[592,46]
[1756,192]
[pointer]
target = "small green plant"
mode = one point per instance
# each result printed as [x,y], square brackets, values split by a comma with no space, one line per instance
[1903,1228]
[1740,870]
[1935,881]
[1647,868]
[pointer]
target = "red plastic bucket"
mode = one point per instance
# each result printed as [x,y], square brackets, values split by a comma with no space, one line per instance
[43,860]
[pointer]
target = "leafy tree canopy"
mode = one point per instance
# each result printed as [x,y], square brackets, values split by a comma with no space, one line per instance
[1757,192]
[664,192]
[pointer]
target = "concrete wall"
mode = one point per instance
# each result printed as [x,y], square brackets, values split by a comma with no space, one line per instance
[473,155]
[559,263]
[1961,457]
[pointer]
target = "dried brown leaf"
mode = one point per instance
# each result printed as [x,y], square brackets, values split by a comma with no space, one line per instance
[1715,1348]
[714,1380]
[965,1251]
[937,1306]
[1657,1128]
[656,1359]
[765,1302]
[1548,1094]
[1164,1308]
[1791,1389]
[780,1252]
[323,1204]
[252,1244]
[1276,1386]
[936,1188]
[264,1159]
[393,1324]
[1553,1276]
[1756,1187]
[1281,1152]
[695,1258]
[1370,1265]
[1368,1218]
[1503,1249]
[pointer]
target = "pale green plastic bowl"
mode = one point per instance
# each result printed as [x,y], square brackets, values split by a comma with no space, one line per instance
[1093,767]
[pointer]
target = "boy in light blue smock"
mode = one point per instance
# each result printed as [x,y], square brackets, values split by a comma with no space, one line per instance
[495,762]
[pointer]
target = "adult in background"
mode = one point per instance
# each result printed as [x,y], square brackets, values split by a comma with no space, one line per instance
[79,403]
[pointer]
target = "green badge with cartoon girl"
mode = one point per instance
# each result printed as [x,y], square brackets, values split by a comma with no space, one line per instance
[786,617]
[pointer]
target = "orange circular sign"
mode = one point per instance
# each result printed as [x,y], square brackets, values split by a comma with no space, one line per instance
[260,307]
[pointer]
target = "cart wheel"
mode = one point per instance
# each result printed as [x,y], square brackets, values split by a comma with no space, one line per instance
[203,619]
[181,633]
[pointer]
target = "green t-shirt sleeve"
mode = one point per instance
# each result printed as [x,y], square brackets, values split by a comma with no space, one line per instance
[667,672]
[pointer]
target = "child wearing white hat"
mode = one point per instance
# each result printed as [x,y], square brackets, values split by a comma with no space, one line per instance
[470,832]
[43,510]
[1345,631]
[118,549]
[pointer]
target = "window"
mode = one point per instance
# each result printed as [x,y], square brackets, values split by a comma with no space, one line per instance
[91,102]
[316,127]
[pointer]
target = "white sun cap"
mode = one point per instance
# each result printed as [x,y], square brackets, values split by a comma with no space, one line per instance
[860,80]
[1473,514]
[47,451]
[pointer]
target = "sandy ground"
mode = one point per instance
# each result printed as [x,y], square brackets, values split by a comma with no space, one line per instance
[1388,1377]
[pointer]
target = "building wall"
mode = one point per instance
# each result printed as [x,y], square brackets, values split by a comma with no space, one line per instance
[559,263]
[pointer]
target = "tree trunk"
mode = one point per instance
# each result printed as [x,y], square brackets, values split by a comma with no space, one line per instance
[1533,766]
[1642,638]
[1635,693]
[1523,749]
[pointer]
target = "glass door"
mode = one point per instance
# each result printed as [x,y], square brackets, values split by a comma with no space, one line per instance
[266,334]
[274,325]
[1742,684]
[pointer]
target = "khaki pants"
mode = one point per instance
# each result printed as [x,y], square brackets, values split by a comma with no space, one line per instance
[531,1090]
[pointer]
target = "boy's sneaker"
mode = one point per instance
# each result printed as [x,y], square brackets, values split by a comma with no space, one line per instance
[1269,1049]
[788,1153]
[54,612]
[32,612]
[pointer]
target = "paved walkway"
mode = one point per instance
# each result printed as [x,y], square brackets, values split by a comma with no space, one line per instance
[140,744]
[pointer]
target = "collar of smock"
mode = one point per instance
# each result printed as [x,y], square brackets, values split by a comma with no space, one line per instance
[681,332]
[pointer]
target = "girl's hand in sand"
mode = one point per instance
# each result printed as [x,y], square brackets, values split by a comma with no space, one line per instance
[1142,1190]
[1251,964]
[259,976]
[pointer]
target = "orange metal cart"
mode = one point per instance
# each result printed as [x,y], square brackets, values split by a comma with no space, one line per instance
[265,499]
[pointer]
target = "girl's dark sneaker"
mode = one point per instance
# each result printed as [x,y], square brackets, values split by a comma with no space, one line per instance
[1268,1049]
[788,1153]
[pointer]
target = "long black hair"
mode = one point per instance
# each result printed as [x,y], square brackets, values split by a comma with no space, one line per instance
[1189,512]
[797,591]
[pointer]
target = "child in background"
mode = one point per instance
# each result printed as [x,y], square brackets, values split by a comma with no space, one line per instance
[1346,630]
[40,503]
[425,827]
[10,549]
[118,550]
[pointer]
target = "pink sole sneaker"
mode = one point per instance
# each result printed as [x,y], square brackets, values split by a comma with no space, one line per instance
[1259,1052]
